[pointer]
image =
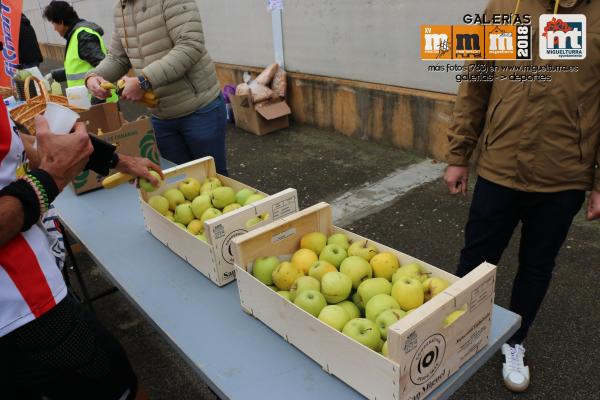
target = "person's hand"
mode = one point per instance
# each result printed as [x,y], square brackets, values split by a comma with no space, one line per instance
[62,156]
[93,85]
[456,179]
[139,168]
[593,208]
[133,91]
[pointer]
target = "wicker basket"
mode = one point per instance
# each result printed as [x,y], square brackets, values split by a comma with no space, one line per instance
[25,113]
[6,92]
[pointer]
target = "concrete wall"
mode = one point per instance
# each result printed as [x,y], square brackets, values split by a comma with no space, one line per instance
[367,40]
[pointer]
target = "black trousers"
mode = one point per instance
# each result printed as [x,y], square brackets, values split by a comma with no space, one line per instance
[546,218]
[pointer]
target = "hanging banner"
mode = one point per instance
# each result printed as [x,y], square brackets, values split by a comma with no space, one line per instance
[11,24]
[273,5]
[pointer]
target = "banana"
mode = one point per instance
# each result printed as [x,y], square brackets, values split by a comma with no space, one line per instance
[107,86]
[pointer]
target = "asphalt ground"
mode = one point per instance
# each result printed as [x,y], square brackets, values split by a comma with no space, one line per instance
[563,346]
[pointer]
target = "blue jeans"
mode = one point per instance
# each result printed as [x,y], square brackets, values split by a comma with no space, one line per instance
[197,135]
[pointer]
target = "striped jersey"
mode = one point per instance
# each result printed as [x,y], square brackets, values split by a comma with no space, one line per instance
[30,281]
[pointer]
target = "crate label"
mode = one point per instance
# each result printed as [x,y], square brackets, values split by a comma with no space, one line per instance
[482,293]
[283,235]
[411,342]
[226,252]
[427,359]
[218,232]
[284,208]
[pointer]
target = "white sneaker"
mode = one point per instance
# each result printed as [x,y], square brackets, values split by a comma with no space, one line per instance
[514,370]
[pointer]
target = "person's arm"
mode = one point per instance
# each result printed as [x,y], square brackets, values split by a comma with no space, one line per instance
[111,68]
[182,19]
[59,75]
[62,157]
[11,218]
[89,48]
[32,154]
[593,207]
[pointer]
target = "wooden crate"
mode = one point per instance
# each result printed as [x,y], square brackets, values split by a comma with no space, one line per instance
[423,353]
[214,258]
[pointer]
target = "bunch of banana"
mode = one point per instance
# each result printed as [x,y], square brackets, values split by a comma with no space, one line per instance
[149,100]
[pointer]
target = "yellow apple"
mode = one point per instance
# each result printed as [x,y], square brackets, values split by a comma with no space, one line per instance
[320,268]
[408,292]
[384,265]
[303,259]
[314,241]
[452,317]
[434,286]
[285,275]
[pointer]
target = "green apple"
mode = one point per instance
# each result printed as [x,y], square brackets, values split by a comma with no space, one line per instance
[303,259]
[358,303]
[263,268]
[384,349]
[273,288]
[412,270]
[285,274]
[201,236]
[254,198]
[384,265]
[379,304]
[170,216]
[184,214]
[187,202]
[209,184]
[320,268]
[363,249]
[242,195]
[372,287]
[200,204]
[304,283]
[182,226]
[364,332]
[351,308]
[452,317]
[334,316]
[333,254]
[147,186]
[195,227]
[433,286]
[159,203]
[256,220]
[340,239]
[357,268]
[408,292]
[231,207]
[314,241]
[222,197]
[210,214]
[387,319]
[190,187]
[174,196]
[311,301]
[285,294]
[336,287]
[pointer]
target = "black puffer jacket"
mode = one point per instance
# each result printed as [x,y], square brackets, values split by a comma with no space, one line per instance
[88,45]
[29,50]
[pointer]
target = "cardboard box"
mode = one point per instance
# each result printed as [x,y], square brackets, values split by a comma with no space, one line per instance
[213,258]
[132,138]
[422,352]
[261,118]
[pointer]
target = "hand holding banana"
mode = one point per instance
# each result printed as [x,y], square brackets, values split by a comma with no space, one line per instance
[149,99]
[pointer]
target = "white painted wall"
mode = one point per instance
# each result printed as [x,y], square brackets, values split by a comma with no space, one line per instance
[368,40]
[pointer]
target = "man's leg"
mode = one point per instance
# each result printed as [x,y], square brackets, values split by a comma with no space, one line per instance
[492,219]
[204,132]
[546,218]
[171,143]
[67,354]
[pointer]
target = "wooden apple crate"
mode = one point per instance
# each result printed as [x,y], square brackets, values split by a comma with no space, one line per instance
[213,258]
[423,353]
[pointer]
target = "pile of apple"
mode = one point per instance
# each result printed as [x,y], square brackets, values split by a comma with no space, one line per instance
[349,286]
[192,202]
